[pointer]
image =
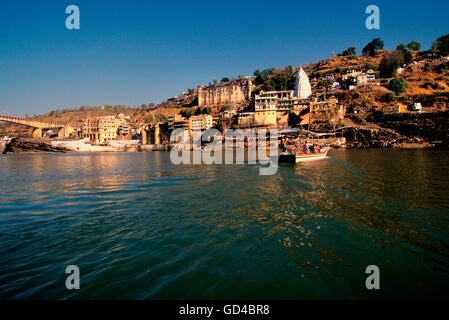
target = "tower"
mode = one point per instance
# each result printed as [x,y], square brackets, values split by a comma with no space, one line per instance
[303,89]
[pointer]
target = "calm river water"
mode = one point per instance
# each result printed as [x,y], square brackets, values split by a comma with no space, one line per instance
[140,227]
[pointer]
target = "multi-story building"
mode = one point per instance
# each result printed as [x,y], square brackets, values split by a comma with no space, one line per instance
[200,123]
[245,119]
[101,129]
[176,121]
[265,106]
[231,93]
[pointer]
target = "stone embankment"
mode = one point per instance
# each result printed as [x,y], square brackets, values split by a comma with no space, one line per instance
[379,129]
[428,126]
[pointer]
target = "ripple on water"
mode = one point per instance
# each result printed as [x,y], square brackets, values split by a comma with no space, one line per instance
[140,227]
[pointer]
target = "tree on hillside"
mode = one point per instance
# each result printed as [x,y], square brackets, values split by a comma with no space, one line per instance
[350,52]
[225,79]
[414,45]
[390,64]
[401,47]
[187,112]
[442,44]
[281,82]
[408,57]
[370,49]
[369,66]
[269,85]
[387,97]
[289,70]
[262,76]
[160,118]
[203,110]
[398,86]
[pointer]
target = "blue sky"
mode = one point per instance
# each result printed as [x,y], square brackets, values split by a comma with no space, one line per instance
[134,52]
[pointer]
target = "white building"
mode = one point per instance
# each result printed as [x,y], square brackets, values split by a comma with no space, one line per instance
[303,90]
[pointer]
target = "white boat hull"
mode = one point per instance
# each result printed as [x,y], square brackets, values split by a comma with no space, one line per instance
[302,157]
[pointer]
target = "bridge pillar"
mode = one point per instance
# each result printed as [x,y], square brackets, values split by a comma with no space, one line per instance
[37,133]
[157,138]
[144,135]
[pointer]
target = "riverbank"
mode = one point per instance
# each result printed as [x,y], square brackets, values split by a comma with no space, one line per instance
[29,146]
[39,145]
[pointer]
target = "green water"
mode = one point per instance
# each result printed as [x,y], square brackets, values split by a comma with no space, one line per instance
[139,227]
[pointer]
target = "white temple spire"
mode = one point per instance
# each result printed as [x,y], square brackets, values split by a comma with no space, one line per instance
[303,89]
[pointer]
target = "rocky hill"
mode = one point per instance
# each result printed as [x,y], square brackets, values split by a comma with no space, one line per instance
[418,77]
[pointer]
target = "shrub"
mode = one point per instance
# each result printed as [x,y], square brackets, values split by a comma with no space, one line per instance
[442,44]
[390,64]
[350,52]
[387,97]
[414,45]
[398,86]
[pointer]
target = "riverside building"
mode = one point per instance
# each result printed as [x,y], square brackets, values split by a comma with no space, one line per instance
[102,129]
[272,107]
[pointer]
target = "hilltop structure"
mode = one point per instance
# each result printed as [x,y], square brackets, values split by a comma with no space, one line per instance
[303,90]
[232,93]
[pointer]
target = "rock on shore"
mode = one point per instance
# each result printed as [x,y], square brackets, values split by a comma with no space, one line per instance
[28,145]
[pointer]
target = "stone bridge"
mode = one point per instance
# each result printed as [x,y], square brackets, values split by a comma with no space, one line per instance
[39,127]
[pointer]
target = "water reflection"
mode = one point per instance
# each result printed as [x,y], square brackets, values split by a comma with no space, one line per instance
[223,231]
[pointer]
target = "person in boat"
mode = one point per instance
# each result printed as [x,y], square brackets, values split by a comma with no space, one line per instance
[305,149]
[312,148]
[282,146]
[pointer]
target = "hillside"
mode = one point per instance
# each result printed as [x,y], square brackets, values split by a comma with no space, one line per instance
[74,117]
[427,81]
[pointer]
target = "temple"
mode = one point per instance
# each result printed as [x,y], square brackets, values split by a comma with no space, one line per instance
[303,89]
